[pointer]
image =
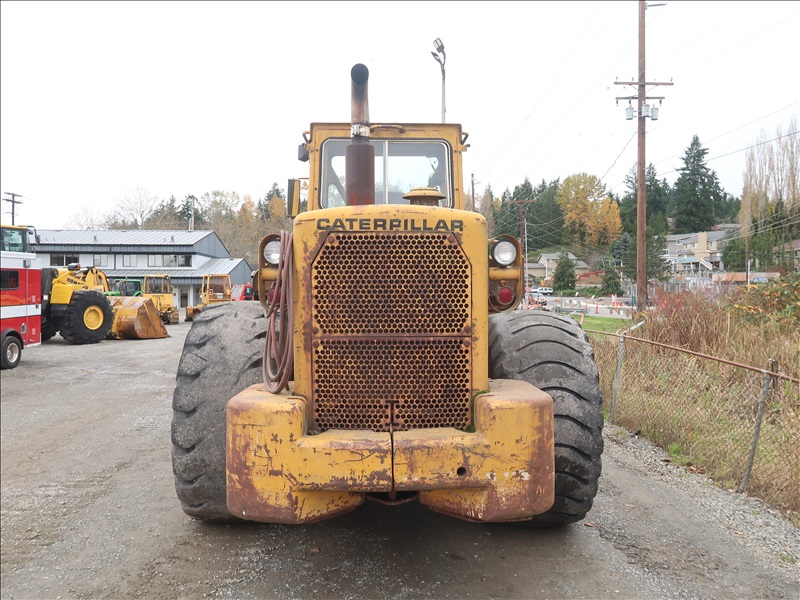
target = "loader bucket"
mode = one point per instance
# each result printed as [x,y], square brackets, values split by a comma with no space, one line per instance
[135,318]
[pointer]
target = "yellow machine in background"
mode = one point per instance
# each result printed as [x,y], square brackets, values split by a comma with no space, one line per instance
[75,305]
[215,288]
[386,359]
[158,288]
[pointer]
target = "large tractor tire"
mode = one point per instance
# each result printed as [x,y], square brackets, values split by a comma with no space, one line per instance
[553,353]
[48,331]
[222,355]
[88,318]
[11,352]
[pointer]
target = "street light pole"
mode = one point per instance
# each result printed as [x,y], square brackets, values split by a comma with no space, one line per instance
[437,43]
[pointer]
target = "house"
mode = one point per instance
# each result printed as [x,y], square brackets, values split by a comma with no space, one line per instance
[694,253]
[183,255]
[791,250]
[545,266]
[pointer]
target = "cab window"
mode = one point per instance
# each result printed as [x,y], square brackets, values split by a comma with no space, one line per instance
[9,280]
[400,166]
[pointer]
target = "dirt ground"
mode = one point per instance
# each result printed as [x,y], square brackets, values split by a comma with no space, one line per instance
[89,511]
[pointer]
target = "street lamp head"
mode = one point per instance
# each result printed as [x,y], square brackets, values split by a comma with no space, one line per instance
[437,43]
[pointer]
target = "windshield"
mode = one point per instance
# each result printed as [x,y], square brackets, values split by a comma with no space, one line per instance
[405,165]
[155,286]
[13,240]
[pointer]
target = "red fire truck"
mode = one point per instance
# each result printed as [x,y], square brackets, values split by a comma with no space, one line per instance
[20,294]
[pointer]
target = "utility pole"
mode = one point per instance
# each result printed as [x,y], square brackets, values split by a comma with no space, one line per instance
[191,219]
[523,236]
[14,202]
[474,207]
[644,111]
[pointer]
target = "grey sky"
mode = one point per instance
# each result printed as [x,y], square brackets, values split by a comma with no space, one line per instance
[100,98]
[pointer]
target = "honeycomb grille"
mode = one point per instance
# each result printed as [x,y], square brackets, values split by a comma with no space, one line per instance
[392,283]
[391,385]
[391,339]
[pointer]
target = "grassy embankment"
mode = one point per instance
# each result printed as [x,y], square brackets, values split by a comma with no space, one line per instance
[703,411]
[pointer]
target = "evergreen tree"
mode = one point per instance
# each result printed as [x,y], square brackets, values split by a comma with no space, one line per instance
[506,216]
[564,277]
[620,247]
[727,209]
[733,255]
[657,267]
[697,192]
[545,218]
[611,282]
[185,212]
[657,200]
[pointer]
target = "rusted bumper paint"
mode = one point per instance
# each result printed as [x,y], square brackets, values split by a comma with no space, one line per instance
[503,472]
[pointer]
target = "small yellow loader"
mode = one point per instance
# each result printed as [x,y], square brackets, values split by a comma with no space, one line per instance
[75,304]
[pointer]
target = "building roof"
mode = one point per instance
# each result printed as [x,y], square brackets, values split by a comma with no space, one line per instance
[132,241]
[123,237]
[237,268]
[711,236]
[554,256]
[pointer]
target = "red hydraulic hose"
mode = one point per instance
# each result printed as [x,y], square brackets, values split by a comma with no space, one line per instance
[278,362]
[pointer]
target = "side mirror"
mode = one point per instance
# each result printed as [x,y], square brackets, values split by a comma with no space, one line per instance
[293,198]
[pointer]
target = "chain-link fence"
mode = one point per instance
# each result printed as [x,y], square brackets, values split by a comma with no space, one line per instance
[738,424]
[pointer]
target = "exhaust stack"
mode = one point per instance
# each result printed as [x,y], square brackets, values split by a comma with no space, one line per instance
[359,154]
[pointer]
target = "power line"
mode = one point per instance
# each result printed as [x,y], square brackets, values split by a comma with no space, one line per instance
[620,154]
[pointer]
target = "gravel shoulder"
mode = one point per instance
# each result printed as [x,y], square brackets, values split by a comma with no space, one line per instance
[88,510]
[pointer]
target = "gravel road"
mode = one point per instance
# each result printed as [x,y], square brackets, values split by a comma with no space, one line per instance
[89,511]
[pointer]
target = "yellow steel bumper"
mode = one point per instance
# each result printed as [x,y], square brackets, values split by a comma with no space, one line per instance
[503,472]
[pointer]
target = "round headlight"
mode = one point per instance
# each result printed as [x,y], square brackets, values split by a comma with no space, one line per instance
[505,253]
[272,252]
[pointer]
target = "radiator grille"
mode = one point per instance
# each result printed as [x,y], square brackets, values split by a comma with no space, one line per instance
[391,339]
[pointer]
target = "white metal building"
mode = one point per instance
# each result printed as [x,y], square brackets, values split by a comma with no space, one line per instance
[184,255]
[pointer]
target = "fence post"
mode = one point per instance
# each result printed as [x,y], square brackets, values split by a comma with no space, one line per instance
[616,379]
[759,419]
[619,371]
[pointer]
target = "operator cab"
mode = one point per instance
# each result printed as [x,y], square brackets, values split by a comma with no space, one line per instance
[400,166]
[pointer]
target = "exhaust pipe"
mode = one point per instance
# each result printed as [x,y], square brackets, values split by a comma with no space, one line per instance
[359,155]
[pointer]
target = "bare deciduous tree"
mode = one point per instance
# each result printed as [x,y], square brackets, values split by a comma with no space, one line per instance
[136,207]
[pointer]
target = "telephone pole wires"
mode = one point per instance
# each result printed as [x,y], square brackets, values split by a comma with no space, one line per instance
[644,111]
[523,236]
[14,202]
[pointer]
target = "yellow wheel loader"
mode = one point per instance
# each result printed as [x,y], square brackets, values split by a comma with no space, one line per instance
[215,289]
[385,359]
[159,289]
[75,304]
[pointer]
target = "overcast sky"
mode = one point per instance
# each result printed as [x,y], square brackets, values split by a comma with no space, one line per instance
[98,99]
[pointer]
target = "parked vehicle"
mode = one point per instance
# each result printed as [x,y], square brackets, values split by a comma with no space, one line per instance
[159,289]
[20,295]
[385,359]
[125,287]
[242,291]
[547,291]
[215,288]
[537,298]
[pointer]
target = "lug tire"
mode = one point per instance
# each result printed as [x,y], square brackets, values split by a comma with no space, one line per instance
[12,352]
[553,353]
[88,318]
[48,331]
[222,355]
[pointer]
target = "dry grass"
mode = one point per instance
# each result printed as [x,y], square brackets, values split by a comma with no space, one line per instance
[706,410]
